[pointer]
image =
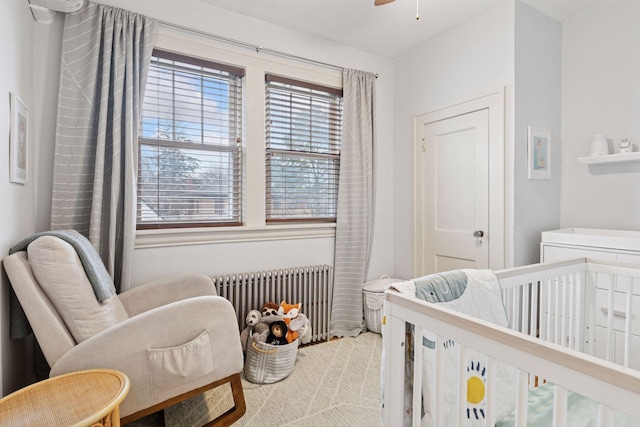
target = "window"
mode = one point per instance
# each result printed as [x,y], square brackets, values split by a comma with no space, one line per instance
[190,144]
[303,137]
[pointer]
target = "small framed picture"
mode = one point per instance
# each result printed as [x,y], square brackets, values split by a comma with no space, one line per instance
[19,140]
[539,153]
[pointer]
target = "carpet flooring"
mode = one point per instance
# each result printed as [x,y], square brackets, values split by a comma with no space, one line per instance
[333,384]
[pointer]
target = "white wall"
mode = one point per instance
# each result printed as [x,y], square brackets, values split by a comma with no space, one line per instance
[537,100]
[471,60]
[19,207]
[601,94]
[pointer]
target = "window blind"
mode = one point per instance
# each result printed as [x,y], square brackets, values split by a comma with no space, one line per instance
[190,144]
[303,138]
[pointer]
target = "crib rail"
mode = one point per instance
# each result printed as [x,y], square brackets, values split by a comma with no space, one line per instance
[552,311]
[565,303]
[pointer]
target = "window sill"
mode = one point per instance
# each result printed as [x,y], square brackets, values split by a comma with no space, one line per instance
[206,236]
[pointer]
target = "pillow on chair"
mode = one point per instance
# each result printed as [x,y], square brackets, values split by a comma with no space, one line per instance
[59,272]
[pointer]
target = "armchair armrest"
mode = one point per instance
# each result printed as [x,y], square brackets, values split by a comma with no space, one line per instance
[174,327]
[165,291]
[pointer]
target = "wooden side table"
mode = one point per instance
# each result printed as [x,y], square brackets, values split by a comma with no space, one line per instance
[85,398]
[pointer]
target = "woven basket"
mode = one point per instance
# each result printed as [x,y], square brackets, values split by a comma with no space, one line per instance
[372,299]
[267,363]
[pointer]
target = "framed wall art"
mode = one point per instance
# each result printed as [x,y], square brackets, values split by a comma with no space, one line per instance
[539,153]
[19,140]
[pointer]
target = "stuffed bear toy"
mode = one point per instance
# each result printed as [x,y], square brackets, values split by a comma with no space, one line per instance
[277,333]
[269,315]
[252,319]
[288,313]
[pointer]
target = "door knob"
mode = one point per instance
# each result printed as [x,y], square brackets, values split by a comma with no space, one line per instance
[478,234]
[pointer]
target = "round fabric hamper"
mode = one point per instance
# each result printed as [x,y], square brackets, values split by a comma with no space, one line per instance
[372,299]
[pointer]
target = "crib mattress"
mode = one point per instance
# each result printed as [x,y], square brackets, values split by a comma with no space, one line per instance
[581,412]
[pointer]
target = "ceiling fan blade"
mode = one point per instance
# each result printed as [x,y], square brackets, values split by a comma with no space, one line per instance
[381,2]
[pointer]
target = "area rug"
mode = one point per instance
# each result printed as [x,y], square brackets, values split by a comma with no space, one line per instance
[333,384]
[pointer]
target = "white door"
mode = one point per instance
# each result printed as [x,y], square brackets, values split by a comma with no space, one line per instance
[453,182]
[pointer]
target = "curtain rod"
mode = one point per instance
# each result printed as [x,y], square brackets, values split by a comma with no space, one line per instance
[251,46]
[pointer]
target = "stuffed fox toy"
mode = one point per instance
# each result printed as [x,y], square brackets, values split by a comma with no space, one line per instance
[289,312]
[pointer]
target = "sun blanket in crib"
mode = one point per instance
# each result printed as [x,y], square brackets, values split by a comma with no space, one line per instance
[476,293]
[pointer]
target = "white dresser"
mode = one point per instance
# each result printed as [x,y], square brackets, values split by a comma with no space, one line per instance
[615,245]
[618,245]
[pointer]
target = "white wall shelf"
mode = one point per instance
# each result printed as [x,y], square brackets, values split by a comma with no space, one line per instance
[611,158]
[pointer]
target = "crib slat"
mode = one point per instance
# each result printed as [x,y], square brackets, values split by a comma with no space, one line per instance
[558,311]
[579,313]
[508,306]
[515,312]
[627,325]
[549,310]
[610,333]
[417,375]
[559,407]
[526,313]
[462,384]
[394,349]
[438,398]
[522,394]
[605,417]
[572,312]
[564,318]
[491,392]
[534,309]
[534,323]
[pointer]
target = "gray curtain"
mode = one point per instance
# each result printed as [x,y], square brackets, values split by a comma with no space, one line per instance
[105,61]
[355,203]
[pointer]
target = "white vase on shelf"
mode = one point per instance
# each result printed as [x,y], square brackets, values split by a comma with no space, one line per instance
[599,145]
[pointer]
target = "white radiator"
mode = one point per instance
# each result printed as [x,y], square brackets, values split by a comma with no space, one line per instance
[312,286]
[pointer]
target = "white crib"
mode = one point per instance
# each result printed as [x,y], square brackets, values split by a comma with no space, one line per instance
[573,321]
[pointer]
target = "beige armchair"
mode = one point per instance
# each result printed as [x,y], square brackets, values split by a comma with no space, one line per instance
[174,338]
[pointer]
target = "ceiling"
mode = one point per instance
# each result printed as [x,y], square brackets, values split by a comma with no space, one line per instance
[387,30]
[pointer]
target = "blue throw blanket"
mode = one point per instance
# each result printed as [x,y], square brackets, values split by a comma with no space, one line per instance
[97,274]
[440,287]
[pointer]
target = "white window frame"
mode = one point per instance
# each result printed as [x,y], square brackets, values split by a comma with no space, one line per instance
[256,65]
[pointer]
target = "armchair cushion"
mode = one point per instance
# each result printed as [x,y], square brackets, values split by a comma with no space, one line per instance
[58,269]
[164,291]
